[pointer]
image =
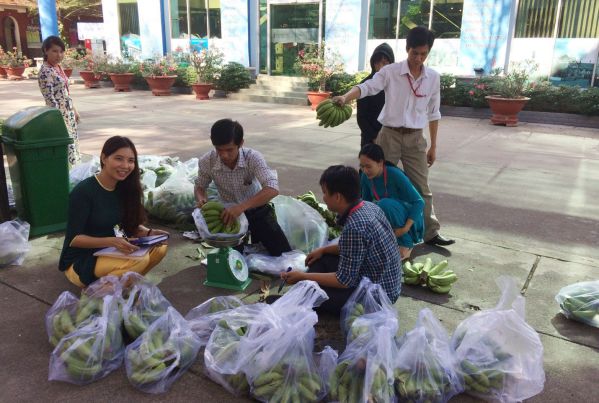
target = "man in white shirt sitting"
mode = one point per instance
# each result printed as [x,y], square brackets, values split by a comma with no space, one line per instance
[412,100]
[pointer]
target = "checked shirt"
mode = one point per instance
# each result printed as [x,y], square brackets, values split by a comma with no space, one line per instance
[368,248]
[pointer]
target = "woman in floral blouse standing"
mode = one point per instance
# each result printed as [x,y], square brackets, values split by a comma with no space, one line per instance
[54,85]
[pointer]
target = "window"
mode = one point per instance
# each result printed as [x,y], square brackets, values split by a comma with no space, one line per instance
[129,21]
[382,19]
[204,18]
[536,18]
[579,19]
[447,18]
[413,13]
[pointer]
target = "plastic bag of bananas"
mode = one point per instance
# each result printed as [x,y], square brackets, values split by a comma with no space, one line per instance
[500,355]
[426,369]
[283,370]
[144,305]
[93,350]
[580,301]
[60,318]
[364,371]
[156,359]
[367,298]
[204,317]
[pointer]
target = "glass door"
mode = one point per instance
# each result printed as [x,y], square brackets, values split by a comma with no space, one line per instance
[292,26]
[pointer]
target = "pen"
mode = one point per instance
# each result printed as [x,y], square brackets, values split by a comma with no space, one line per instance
[283,282]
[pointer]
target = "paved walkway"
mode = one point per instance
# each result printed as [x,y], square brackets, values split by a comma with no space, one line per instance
[520,201]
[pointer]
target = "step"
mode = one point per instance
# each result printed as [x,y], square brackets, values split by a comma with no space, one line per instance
[282,86]
[272,92]
[288,79]
[303,101]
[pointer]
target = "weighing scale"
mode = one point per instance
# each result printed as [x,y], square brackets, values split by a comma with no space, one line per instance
[226,267]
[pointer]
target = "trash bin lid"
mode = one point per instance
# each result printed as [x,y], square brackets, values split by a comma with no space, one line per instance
[34,124]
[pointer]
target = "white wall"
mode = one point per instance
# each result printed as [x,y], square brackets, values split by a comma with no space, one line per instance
[234,30]
[111,27]
[150,28]
[343,31]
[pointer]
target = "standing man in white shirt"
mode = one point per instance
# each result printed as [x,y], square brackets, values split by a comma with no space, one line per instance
[412,100]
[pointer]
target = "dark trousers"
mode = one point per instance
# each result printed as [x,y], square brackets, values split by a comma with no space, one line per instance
[264,228]
[337,296]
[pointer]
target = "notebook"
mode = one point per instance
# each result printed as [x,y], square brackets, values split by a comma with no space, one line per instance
[149,240]
[114,252]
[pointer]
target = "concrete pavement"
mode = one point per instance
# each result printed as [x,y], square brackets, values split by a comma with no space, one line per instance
[519,201]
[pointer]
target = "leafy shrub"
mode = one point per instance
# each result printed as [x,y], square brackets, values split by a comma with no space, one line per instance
[186,75]
[233,77]
[340,83]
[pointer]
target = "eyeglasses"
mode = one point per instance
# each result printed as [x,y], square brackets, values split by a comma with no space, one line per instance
[415,90]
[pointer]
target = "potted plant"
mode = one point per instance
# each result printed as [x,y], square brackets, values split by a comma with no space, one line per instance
[93,67]
[318,64]
[507,98]
[15,63]
[232,78]
[160,74]
[121,74]
[207,64]
[72,59]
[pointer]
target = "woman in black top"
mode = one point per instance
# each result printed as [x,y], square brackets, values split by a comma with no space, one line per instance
[105,210]
[369,108]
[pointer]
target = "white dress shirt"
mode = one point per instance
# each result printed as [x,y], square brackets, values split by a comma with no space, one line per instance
[402,107]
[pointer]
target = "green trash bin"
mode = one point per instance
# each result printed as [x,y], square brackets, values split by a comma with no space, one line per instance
[35,142]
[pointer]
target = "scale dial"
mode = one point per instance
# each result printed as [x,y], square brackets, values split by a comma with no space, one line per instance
[238,266]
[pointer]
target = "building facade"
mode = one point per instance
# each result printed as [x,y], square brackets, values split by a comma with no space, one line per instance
[562,36]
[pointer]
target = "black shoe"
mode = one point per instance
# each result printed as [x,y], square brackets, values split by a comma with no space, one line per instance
[440,241]
[271,298]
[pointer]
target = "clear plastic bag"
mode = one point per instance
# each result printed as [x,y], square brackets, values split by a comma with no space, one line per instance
[305,294]
[144,305]
[200,223]
[60,318]
[326,361]
[204,317]
[148,180]
[14,242]
[426,367]
[92,298]
[173,200]
[83,171]
[500,355]
[231,346]
[283,367]
[364,371]
[367,298]
[580,301]
[303,226]
[276,264]
[161,354]
[91,351]
[128,280]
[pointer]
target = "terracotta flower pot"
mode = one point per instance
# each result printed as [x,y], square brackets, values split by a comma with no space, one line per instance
[505,110]
[201,90]
[15,73]
[2,72]
[316,97]
[91,79]
[68,72]
[161,85]
[121,81]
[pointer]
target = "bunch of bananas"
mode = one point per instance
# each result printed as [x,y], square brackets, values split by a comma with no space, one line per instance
[170,206]
[428,381]
[142,311]
[331,114]
[436,277]
[88,306]
[346,383]
[225,339]
[480,380]
[287,383]
[62,324]
[85,353]
[355,313]
[329,217]
[149,362]
[583,307]
[212,211]
[218,305]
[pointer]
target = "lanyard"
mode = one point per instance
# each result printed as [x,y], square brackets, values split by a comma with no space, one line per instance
[341,220]
[376,195]
[415,91]
[354,208]
[64,76]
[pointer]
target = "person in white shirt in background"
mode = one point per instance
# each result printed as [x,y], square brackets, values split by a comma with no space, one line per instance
[412,100]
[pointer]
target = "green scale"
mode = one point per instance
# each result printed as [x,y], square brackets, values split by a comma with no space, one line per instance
[226,267]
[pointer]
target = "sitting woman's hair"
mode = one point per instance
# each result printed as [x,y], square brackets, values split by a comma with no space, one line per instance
[342,179]
[129,189]
[373,152]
